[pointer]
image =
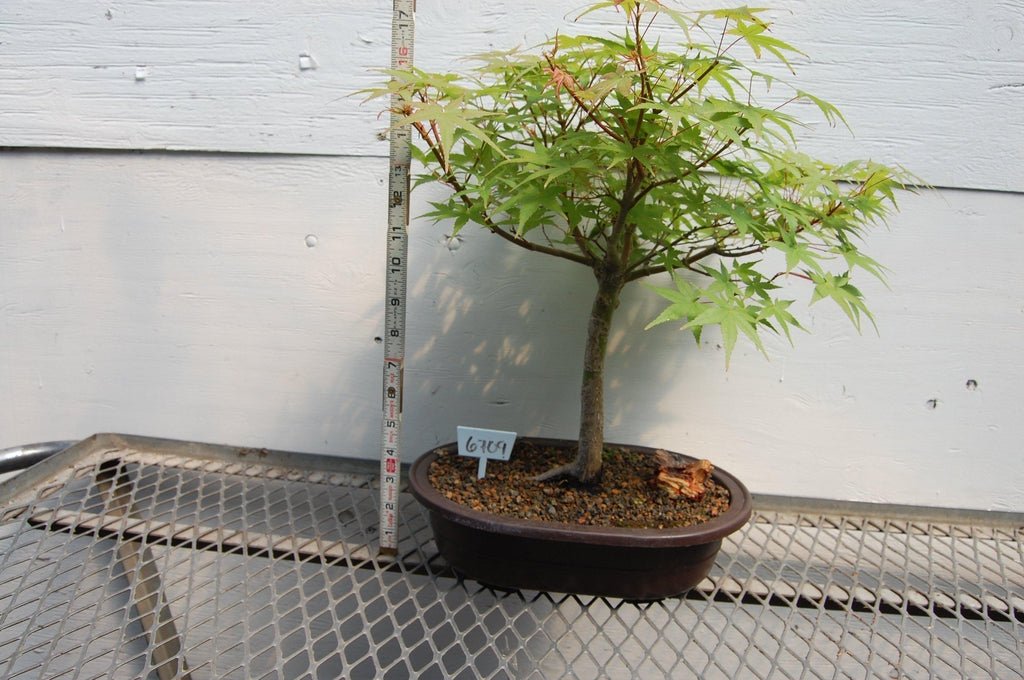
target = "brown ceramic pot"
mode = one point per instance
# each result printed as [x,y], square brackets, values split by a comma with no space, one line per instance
[552,556]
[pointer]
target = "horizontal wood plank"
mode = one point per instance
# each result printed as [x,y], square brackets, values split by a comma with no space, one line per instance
[934,85]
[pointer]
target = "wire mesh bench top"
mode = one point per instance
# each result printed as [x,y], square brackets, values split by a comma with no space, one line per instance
[129,557]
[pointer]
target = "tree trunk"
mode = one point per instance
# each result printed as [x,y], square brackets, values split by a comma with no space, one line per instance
[587,466]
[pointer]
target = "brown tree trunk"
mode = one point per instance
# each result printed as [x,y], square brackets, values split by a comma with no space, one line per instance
[587,466]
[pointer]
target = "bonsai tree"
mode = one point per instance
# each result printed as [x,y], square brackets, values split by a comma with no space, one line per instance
[650,152]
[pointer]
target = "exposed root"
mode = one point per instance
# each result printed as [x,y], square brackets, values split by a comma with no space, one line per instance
[567,470]
[688,480]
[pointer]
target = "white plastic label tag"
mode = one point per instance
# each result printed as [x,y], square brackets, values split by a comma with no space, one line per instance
[486,445]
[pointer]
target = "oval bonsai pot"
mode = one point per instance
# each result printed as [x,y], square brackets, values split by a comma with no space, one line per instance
[639,564]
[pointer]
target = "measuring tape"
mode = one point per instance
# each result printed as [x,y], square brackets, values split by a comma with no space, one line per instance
[396,276]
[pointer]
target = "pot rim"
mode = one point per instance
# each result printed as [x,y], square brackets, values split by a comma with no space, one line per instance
[739,512]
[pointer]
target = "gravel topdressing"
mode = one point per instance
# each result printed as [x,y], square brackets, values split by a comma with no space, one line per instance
[625,497]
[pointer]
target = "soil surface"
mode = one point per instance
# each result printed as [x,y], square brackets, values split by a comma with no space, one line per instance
[625,497]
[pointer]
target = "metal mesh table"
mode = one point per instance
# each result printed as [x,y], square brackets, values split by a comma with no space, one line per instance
[126,557]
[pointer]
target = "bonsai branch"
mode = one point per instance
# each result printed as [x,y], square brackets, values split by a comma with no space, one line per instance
[640,268]
[646,91]
[560,79]
[448,177]
[752,249]
[696,81]
[531,245]
[581,241]
[697,167]
[691,259]
[799,275]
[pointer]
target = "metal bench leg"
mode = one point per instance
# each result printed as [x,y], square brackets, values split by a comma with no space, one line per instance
[147,595]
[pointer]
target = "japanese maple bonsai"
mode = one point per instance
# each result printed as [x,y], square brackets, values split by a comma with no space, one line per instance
[651,151]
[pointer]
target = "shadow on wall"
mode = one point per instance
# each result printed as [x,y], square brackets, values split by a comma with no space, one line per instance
[496,338]
[220,322]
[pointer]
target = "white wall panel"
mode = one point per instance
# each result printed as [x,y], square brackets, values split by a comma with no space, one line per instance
[935,85]
[175,295]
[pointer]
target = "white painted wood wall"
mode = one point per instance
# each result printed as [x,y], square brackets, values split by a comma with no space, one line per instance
[191,246]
